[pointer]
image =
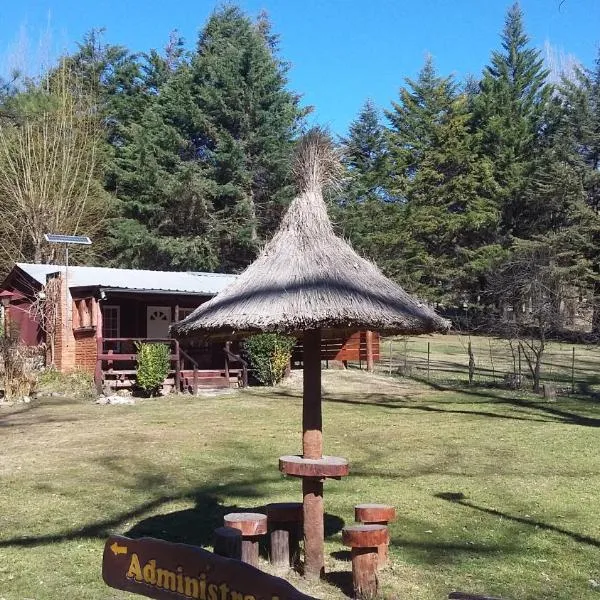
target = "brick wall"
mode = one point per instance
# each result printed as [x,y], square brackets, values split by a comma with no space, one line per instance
[65,340]
[75,349]
[86,351]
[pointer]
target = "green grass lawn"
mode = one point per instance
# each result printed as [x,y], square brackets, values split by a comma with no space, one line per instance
[572,368]
[495,493]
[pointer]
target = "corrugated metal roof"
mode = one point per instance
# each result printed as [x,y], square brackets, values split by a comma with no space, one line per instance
[134,279]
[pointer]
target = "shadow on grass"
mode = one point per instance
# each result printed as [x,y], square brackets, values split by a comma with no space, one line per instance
[542,409]
[462,500]
[341,580]
[190,526]
[196,525]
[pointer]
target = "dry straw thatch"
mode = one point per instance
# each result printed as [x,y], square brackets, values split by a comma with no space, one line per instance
[308,278]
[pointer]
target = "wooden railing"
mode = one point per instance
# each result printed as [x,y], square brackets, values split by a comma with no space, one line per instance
[235,358]
[184,355]
[110,356]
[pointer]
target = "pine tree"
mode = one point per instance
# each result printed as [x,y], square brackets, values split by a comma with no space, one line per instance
[509,116]
[450,217]
[245,130]
[413,119]
[366,158]
[581,131]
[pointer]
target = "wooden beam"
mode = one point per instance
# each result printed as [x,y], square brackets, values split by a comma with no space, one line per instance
[312,447]
[312,421]
[369,339]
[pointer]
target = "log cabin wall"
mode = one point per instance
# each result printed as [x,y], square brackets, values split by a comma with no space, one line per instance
[342,346]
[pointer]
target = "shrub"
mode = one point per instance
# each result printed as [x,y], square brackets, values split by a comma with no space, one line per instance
[17,378]
[268,355]
[153,366]
[77,384]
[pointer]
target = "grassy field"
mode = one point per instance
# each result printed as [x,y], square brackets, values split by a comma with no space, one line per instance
[495,492]
[572,368]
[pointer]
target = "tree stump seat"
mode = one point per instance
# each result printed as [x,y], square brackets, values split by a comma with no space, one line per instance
[376,514]
[320,468]
[228,542]
[252,526]
[285,526]
[364,541]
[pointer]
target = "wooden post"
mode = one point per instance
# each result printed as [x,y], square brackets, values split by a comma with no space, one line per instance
[364,572]
[573,372]
[177,368]
[98,370]
[428,358]
[312,447]
[314,530]
[390,365]
[228,542]
[369,340]
[312,422]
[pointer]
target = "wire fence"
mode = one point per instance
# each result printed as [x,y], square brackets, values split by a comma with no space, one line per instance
[568,368]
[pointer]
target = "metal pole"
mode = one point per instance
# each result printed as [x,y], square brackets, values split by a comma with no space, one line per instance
[67,311]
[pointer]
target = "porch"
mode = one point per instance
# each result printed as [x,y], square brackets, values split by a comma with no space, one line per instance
[116,366]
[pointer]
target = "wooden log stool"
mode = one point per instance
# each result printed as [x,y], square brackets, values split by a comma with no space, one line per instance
[252,526]
[364,540]
[376,514]
[228,542]
[285,527]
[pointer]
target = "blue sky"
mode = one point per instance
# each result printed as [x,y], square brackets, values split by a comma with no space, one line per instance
[342,51]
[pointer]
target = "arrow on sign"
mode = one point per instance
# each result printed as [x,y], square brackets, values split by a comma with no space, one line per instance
[118,549]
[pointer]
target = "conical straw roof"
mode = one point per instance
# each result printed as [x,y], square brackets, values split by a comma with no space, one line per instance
[307,278]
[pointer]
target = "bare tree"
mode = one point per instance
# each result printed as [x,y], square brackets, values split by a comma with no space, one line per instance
[528,288]
[49,163]
[45,310]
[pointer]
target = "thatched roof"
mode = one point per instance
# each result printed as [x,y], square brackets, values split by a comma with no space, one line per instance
[307,278]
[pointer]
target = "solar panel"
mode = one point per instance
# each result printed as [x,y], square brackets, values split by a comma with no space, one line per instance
[58,238]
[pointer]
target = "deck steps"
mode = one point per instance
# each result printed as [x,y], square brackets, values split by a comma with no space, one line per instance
[207,379]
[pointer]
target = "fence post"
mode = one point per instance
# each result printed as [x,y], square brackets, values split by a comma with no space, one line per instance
[390,365]
[428,359]
[573,372]
[492,361]
[519,347]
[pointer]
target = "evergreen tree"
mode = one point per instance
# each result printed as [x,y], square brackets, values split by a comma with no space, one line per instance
[449,217]
[365,156]
[581,130]
[423,104]
[246,124]
[509,117]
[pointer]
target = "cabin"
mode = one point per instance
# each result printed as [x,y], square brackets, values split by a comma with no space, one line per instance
[91,318]
[99,314]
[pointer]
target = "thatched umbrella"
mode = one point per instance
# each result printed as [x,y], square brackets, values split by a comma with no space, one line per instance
[307,280]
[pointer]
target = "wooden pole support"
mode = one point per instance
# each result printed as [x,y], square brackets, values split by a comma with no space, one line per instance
[364,541]
[250,550]
[370,361]
[376,514]
[285,523]
[312,448]
[314,530]
[228,542]
[364,573]
[251,526]
[312,421]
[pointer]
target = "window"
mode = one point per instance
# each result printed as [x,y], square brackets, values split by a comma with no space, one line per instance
[111,321]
